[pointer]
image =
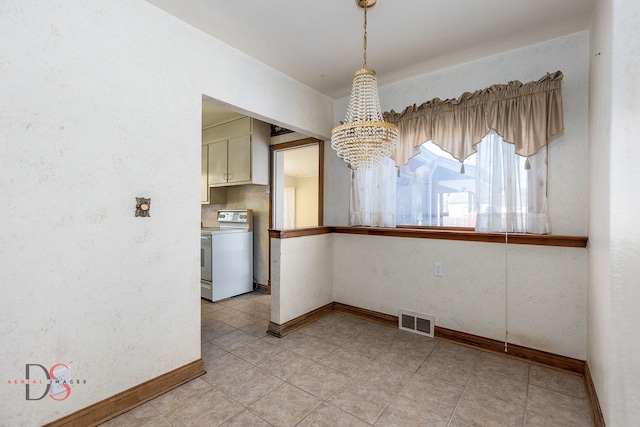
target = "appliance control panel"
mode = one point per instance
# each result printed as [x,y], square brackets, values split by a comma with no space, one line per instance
[233,216]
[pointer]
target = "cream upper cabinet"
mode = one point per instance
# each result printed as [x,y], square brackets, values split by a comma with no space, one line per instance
[230,161]
[239,159]
[237,153]
[217,163]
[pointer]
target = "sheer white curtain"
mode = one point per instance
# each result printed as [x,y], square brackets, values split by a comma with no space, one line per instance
[373,195]
[510,197]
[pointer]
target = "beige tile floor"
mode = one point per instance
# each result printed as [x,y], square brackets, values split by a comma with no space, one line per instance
[344,371]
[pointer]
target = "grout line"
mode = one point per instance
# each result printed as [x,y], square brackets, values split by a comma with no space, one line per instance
[254,414]
[464,389]
[526,398]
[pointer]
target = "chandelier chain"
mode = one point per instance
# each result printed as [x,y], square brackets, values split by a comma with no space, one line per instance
[364,138]
[364,38]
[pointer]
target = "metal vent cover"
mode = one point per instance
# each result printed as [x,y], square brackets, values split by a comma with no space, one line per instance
[416,323]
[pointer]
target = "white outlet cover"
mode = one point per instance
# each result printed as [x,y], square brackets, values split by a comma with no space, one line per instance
[63,376]
[437,269]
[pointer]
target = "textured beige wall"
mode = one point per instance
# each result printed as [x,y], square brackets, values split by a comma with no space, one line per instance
[544,288]
[302,280]
[83,281]
[614,249]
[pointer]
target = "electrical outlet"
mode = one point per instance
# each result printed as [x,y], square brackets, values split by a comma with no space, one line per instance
[63,375]
[437,269]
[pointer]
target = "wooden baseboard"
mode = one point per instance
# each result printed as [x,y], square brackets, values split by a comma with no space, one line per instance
[513,350]
[594,403]
[113,406]
[370,315]
[264,288]
[516,351]
[299,322]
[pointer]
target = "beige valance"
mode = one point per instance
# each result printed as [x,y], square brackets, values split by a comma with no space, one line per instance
[526,115]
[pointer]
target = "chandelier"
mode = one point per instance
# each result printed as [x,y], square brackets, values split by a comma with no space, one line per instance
[364,138]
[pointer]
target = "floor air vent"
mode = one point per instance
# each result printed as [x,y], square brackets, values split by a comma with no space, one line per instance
[416,323]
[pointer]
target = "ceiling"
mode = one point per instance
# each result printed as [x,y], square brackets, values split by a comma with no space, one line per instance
[213,114]
[319,43]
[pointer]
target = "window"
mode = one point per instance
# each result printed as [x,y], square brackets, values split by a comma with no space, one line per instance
[496,191]
[510,190]
[431,191]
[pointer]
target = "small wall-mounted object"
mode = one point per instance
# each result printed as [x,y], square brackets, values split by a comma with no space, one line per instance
[279,130]
[143,206]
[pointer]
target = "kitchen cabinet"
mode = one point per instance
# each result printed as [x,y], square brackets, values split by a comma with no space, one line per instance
[209,195]
[237,152]
[230,161]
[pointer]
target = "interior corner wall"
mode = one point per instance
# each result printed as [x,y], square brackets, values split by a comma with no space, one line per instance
[301,275]
[337,184]
[599,349]
[613,241]
[625,236]
[101,103]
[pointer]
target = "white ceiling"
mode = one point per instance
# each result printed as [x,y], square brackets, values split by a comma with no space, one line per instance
[213,114]
[319,42]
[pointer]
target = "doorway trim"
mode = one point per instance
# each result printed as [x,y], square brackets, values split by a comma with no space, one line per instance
[298,143]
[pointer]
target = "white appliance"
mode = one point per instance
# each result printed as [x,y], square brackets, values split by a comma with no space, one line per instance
[226,256]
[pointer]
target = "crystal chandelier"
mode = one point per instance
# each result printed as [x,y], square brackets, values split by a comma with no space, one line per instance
[364,138]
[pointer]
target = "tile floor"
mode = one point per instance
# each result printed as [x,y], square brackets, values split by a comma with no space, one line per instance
[344,371]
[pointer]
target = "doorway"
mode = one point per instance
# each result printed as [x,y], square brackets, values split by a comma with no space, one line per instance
[297,184]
